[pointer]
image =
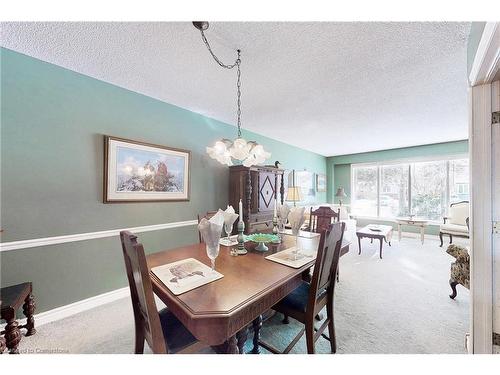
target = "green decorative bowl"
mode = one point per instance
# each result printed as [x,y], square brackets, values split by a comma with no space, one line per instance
[262,239]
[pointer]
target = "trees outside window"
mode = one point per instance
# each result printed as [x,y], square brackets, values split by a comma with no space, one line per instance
[394,190]
[459,180]
[428,189]
[423,189]
[365,194]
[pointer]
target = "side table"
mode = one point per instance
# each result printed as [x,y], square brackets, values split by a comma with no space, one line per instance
[13,297]
[421,223]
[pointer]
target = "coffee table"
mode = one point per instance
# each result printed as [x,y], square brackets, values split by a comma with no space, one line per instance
[412,222]
[380,232]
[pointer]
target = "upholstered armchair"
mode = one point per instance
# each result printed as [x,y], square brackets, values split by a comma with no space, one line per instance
[460,269]
[456,223]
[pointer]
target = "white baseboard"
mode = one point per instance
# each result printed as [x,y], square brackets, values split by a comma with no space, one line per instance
[77,307]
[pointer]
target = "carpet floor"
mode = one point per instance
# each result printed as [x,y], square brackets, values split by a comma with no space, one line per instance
[398,304]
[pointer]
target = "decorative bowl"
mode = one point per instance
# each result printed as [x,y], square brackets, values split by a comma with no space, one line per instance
[262,239]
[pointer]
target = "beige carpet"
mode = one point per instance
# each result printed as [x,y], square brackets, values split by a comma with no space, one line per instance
[398,304]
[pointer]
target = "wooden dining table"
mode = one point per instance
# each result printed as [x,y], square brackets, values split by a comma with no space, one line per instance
[218,313]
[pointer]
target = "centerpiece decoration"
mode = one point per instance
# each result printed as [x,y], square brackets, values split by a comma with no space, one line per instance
[262,239]
[226,151]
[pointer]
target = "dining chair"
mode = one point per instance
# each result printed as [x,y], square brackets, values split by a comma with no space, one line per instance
[163,332]
[208,215]
[308,299]
[321,218]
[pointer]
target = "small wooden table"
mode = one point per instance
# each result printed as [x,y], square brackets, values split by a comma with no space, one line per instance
[218,313]
[13,297]
[412,222]
[384,233]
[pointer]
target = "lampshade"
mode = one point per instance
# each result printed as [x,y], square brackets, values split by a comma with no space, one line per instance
[293,194]
[340,193]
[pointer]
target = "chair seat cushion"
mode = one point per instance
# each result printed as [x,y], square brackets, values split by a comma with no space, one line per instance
[296,300]
[454,229]
[176,335]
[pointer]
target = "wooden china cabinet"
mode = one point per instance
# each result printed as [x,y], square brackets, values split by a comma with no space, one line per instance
[257,187]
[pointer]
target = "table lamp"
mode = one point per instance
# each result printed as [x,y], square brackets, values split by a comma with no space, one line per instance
[293,193]
[340,194]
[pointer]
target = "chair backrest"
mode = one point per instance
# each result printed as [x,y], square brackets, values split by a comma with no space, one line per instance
[208,215]
[321,218]
[147,319]
[459,212]
[327,261]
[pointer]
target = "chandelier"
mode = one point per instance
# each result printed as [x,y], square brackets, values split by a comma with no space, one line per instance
[226,151]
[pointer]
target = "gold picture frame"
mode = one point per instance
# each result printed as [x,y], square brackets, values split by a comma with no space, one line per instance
[137,171]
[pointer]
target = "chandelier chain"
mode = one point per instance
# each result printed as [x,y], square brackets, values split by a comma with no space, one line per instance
[238,86]
[236,64]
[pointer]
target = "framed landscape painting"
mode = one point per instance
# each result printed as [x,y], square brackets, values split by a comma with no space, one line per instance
[142,172]
[320,182]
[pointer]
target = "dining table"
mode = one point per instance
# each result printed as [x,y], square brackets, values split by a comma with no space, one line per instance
[219,313]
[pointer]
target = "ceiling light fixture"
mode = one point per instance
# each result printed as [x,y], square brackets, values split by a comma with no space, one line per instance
[226,151]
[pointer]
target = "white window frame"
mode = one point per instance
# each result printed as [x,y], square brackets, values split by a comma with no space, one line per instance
[408,161]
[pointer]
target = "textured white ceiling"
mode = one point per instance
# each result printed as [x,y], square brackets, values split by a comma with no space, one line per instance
[332,88]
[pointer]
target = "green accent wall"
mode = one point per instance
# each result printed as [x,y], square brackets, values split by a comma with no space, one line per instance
[52,126]
[339,167]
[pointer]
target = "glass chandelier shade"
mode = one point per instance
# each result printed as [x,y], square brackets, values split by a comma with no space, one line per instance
[248,153]
[226,151]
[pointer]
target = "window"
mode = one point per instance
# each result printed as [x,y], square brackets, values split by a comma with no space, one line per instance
[365,194]
[428,189]
[394,190]
[459,180]
[424,189]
